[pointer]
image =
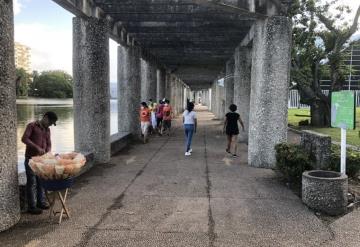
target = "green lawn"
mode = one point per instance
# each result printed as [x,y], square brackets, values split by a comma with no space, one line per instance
[352,135]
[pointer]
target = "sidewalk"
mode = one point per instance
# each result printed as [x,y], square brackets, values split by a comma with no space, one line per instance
[152,195]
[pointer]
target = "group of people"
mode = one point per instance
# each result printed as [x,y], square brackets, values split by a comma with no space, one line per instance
[155,118]
[231,128]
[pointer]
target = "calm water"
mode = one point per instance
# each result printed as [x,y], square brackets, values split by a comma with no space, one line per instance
[62,135]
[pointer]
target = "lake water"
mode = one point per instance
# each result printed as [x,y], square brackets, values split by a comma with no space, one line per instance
[62,135]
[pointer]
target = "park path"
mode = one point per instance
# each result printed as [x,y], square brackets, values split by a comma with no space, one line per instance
[152,195]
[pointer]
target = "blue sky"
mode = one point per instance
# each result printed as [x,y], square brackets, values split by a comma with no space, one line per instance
[46,28]
[44,11]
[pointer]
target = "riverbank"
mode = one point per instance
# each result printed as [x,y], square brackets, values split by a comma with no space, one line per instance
[62,135]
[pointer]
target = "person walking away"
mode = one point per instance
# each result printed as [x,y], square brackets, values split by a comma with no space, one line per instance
[159,116]
[167,116]
[190,125]
[37,140]
[153,117]
[151,108]
[144,120]
[231,129]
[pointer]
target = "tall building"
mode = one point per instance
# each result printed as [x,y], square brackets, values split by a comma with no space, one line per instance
[352,60]
[23,57]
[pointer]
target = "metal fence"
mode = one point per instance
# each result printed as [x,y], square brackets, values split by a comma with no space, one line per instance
[294,98]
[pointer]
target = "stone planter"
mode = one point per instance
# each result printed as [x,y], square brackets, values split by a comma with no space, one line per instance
[325,191]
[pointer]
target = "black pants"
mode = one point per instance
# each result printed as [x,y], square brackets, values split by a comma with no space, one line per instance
[34,191]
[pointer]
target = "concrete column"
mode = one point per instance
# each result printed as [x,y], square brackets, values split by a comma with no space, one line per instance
[206,98]
[148,81]
[213,98]
[229,85]
[161,84]
[221,108]
[153,81]
[9,187]
[181,96]
[168,86]
[91,87]
[218,100]
[129,89]
[210,99]
[177,98]
[172,92]
[270,77]
[242,89]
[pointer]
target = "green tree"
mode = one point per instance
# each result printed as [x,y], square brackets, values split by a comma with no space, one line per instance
[23,81]
[319,36]
[52,84]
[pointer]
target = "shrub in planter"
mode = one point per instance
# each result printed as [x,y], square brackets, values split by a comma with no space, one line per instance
[292,160]
[352,161]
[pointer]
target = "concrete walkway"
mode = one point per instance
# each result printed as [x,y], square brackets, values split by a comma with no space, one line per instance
[152,195]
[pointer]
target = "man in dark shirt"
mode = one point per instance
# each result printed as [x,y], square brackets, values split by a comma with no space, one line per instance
[37,140]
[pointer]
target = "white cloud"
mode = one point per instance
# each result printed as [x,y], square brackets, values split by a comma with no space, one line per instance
[51,48]
[17,6]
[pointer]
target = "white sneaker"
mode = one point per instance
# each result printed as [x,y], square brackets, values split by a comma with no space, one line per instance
[187,154]
[190,150]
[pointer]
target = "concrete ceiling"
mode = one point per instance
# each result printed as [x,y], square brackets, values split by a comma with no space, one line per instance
[192,38]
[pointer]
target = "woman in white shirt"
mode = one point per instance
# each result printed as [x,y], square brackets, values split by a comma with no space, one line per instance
[190,124]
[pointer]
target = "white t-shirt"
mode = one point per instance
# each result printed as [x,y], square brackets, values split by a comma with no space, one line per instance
[189,117]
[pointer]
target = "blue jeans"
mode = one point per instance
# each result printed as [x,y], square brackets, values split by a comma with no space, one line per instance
[35,192]
[189,131]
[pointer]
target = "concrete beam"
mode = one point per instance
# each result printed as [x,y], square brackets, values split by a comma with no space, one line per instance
[177,17]
[230,7]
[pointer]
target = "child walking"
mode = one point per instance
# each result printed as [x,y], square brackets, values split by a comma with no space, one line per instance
[190,125]
[167,116]
[145,120]
[231,129]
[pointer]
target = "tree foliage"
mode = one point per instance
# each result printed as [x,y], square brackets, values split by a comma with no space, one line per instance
[320,37]
[22,82]
[52,84]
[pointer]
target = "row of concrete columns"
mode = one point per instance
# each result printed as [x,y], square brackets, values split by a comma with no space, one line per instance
[138,80]
[257,82]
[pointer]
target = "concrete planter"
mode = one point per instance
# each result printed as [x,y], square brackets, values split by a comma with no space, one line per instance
[325,191]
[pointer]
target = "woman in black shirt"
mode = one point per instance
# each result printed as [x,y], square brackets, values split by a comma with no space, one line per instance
[231,128]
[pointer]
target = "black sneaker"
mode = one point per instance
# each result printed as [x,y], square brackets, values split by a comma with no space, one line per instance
[43,205]
[35,210]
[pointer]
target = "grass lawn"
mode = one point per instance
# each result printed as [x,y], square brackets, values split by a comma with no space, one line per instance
[352,136]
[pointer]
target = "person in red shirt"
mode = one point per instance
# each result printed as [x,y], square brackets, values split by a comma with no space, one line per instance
[159,116]
[37,140]
[145,115]
[167,116]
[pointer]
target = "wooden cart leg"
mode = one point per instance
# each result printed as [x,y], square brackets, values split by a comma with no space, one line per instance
[51,202]
[63,203]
